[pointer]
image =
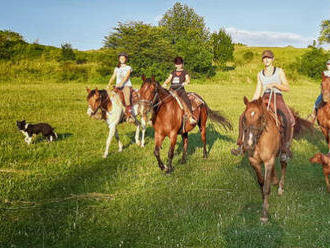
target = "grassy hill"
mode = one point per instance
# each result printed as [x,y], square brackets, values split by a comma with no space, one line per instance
[64,194]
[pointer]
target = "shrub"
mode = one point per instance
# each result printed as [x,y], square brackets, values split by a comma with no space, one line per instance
[312,63]
[248,56]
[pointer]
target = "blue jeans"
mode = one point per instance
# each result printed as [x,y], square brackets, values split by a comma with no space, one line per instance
[318,101]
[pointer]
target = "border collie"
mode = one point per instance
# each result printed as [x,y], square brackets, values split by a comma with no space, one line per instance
[33,129]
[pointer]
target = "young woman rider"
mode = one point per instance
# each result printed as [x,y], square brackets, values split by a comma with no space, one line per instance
[271,79]
[178,79]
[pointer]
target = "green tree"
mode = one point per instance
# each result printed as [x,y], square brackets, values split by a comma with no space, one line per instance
[150,52]
[223,47]
[187,31]
[182,22]
[67,52]
[325,32]
[312,63]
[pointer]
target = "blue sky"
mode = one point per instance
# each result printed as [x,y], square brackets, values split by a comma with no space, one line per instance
[84,23]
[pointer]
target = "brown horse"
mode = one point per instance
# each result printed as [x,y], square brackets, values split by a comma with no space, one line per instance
[323,112]
[262,142]
[169,120]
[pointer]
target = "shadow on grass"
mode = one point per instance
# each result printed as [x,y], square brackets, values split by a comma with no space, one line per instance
[246,230]
[195,140]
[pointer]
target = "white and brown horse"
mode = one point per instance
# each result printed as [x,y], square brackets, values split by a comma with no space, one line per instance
[113,112]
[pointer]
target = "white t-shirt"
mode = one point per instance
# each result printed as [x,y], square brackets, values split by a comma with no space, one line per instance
[326,73]
[121,73]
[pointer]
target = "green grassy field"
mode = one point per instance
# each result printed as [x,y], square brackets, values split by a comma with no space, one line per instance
[64,194]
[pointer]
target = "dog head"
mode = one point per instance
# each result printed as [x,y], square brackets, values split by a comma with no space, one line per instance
[320,158]
[21,125]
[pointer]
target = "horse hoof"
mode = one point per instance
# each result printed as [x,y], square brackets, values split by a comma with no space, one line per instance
[105,155]
[205,156]
[280,191]
[138,143]
[169,171]
[264,220]
[183,161]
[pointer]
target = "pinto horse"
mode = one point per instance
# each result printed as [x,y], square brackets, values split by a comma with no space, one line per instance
[262,142]
[113,112]
[323,112]
[168,119]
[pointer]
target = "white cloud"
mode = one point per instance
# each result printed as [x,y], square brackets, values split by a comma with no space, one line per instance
[266,38]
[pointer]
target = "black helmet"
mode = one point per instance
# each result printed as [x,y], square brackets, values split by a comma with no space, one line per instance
[123,54]
[178,60]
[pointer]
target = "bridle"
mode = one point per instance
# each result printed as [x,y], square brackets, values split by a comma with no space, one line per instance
[100,105]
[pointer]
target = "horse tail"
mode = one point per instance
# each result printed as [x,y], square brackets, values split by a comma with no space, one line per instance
[301,125]
[217,117]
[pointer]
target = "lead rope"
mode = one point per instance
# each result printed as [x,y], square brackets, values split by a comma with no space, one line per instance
[272,92]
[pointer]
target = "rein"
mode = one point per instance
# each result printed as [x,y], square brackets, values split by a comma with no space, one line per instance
[272,92]
[152,103]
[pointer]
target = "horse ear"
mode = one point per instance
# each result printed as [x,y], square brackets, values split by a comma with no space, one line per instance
[143,77]
[96,91]
[259,101]
[246,101]
[153,78]
[88,90]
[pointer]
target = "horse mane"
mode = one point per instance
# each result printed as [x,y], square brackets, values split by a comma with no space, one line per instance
[103,94]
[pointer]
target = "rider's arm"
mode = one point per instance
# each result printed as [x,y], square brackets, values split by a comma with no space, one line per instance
[112,78]
[258,91]
[167,80]
[187,80]
[125,78]
[284,86]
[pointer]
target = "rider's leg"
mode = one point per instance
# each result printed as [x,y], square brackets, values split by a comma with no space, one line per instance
[186,105]
[127,98]
[288,134]
[239,149]
[316,106]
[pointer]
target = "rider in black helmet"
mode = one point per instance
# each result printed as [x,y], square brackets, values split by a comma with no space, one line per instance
[178,79]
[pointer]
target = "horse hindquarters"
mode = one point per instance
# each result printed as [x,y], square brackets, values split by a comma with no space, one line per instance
[202,127]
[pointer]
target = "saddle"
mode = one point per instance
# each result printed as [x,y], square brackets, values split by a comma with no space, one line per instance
[196,102]
[134,95]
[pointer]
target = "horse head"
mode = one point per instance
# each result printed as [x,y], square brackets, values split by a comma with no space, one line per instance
[254,122]
[325,88]
[94,101]
[148,92]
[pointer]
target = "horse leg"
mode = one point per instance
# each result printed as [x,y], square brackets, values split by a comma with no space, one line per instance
[202,129]
[137,135]
[185,147]
[158,142]
[325,132]
[173,139]
[257,168]
[275,180]
[120,145]
[112,131]
[283,171]
[143,123]
[266,189]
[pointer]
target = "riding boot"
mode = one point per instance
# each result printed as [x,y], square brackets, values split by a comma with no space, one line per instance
[286,153]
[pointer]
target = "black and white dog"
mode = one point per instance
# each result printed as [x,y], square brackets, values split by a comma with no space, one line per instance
[30,129]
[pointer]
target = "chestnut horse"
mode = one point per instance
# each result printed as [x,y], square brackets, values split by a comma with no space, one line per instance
[112,111]
[168,119]
[262,142]
[323,112]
